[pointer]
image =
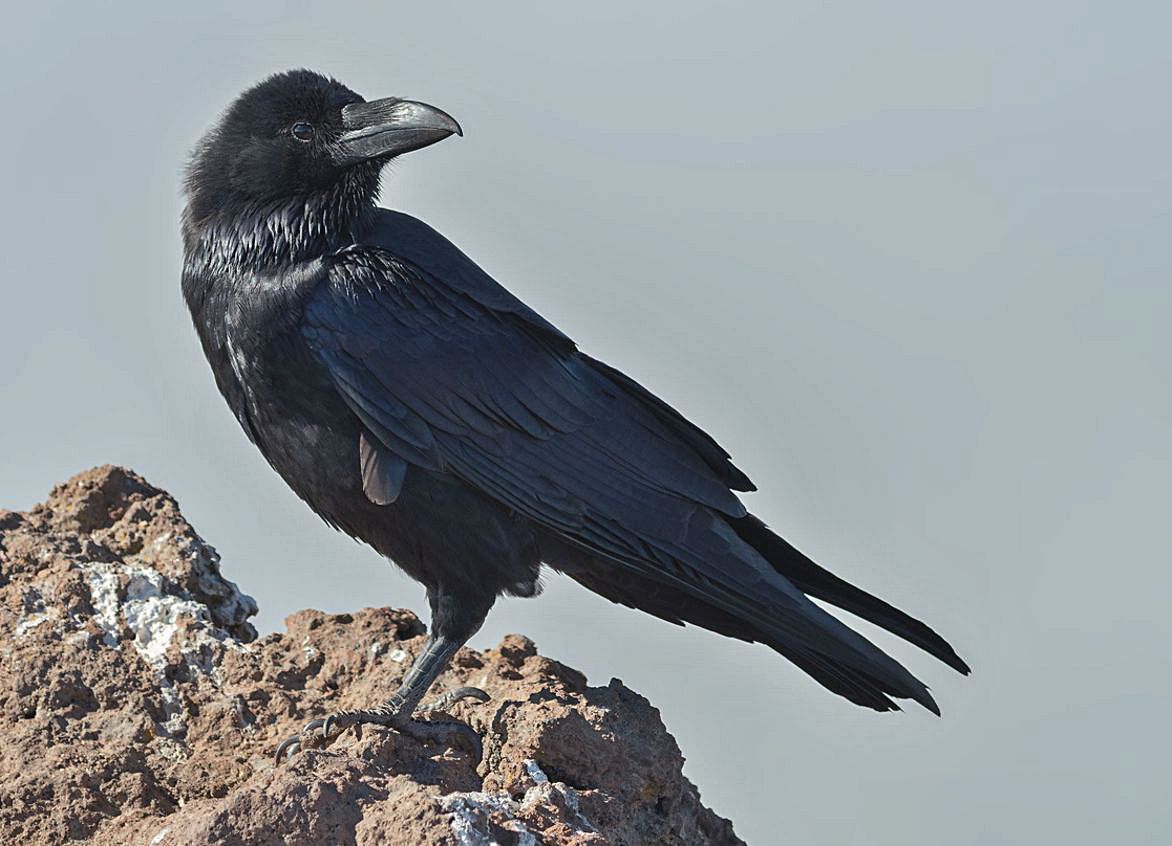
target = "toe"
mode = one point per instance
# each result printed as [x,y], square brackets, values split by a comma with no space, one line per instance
[451,698]
[291,745]
[328,723]
[287,748]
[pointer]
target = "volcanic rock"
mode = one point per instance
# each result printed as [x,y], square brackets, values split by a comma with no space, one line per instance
[140,707]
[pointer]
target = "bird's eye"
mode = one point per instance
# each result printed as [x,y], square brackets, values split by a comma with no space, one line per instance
[302,131]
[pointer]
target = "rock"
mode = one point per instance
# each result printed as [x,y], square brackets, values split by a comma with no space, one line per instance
[139,707]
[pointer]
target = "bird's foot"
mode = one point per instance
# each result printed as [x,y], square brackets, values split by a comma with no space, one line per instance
[391,714]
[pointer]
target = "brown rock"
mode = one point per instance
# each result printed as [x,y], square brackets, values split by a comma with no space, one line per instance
[139,708]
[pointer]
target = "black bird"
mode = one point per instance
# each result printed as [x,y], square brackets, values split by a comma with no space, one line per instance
[417,405]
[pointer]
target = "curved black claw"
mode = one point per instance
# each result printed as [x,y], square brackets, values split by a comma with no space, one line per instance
[292,743]
[450,698]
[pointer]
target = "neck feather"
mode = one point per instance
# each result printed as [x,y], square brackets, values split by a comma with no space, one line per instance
[260,234]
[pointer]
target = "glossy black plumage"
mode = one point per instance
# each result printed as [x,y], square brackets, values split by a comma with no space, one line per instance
[415,404]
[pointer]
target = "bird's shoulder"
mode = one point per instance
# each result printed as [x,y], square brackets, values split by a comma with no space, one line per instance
[392,247]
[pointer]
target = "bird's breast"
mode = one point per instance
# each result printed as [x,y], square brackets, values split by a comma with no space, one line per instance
[278,390]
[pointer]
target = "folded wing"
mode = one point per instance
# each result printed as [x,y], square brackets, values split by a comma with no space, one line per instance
[461,378]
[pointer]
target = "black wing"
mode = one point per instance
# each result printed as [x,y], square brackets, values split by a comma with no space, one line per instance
[459,376]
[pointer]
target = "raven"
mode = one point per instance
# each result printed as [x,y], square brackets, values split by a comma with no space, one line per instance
[415,404]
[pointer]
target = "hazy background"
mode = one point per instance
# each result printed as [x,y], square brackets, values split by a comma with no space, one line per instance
[909,264]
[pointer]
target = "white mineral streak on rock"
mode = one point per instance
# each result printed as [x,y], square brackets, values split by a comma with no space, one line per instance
[33,610]
[229,606]
[153,609]
[471,812]
[103,582]
[307,650]
[535,772]
[27,623]
[470,818]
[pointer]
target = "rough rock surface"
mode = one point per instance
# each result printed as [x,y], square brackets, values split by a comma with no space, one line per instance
[139,707]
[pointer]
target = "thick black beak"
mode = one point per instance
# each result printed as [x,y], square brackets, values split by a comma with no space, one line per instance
[389,127]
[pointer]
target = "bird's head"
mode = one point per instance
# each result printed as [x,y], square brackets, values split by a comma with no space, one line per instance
[297,158]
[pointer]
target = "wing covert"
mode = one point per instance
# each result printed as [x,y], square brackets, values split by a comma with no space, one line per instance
[445,382]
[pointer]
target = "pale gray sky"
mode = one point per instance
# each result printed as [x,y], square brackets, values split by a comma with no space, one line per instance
[909,262]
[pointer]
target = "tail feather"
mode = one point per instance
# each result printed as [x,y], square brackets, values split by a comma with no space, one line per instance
[850,685]
[841,659]
[778,614]
[822,584]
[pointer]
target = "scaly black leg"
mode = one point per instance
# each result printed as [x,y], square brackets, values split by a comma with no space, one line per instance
[453,622]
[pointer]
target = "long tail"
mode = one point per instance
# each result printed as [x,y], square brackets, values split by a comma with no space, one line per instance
[822,584]
[781,615]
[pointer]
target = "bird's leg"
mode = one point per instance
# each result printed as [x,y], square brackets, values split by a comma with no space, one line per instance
[453,622]
[397,711]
